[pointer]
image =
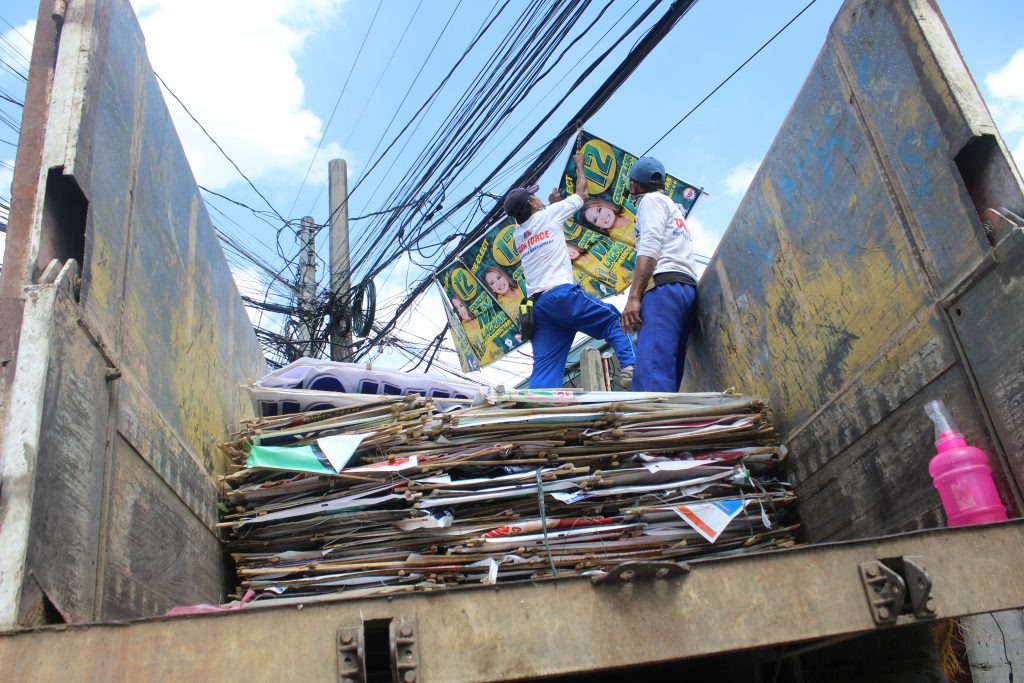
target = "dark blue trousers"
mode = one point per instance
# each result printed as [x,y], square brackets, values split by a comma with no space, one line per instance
[666,314]
[560,313]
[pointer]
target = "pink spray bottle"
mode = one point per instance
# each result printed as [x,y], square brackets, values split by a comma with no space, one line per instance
[961,474]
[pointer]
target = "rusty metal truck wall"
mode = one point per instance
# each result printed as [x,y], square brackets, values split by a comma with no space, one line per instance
[112,477]
[856,281]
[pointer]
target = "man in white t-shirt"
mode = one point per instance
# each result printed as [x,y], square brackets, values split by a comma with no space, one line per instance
[664,250]
[561,308]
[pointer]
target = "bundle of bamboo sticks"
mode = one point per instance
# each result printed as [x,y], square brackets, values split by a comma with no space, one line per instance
[520,485]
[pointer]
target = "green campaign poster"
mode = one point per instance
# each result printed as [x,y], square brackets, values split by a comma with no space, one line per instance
[599,261]
[610,210]
[495,263]
[483,288]
[468,358]
[489,330]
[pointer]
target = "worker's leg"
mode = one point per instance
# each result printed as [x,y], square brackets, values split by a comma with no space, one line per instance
[601,320]
[661,344]
[688,296]
[552,338]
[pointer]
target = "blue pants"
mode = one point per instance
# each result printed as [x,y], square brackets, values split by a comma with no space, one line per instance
[666,314]
[560,313]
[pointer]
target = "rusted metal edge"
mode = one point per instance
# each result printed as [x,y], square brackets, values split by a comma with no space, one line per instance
[520,631]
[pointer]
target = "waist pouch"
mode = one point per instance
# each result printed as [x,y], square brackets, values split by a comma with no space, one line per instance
[526,319]
[669,278]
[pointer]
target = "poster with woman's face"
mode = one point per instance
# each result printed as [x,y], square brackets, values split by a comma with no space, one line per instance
[600,263]
[468,358]
[495,263]
[489,331]
[610,209]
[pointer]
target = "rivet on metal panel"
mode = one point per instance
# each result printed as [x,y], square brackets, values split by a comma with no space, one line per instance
[351,656]
[629,571]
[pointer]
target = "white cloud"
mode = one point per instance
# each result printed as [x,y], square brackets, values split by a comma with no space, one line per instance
[705,240]
[248,282]
[234,66]
[738,180]
[1006,101]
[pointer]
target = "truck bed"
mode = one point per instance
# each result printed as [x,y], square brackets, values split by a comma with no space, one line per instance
[874,264]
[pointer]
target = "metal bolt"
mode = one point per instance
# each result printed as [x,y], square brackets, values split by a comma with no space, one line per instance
[346,638]
[883,612]
[410,676]
[871,572]
[406,630]
[627,576]
[662,573]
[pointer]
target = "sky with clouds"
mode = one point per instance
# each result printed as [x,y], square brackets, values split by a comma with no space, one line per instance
[285,85]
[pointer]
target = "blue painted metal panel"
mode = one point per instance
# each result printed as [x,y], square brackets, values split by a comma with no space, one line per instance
[834,291]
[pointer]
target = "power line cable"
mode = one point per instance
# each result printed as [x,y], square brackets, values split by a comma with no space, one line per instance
[17,32]
[336,103]
[221,149]
[547,155]
[729,77]
[653,36]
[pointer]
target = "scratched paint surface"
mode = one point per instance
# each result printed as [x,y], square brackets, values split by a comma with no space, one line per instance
[158,302]
[182,334]
[823,295]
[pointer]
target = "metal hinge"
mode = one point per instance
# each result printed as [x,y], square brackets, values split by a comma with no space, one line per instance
[405,658]
[895,586]
[351,655]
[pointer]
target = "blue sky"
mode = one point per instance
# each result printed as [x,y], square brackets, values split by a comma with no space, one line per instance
[265,81]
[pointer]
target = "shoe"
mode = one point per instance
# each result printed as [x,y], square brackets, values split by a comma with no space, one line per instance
[626,378]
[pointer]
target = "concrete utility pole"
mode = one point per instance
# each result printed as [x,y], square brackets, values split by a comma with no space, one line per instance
[340,272]
[306,286]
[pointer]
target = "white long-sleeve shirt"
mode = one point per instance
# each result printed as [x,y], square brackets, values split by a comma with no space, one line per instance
[541,246]
[661,234]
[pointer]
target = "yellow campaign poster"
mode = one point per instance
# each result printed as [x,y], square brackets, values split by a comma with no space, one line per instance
[599,258]
[468,358]
[610,209]
[494,261]
[490,332]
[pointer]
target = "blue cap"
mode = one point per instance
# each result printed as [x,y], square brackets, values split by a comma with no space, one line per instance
[648,171]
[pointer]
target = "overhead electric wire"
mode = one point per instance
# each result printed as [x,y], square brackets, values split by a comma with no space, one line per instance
[729,77]
[515,72]
[611,83]
[366,102]
[16,32]
[419,111]
[221,149]
[336,103]
[488,110]
[509,49]
[559,141]
[513,167]
[554,149]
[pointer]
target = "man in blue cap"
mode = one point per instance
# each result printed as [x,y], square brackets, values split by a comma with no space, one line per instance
[561,308]
[662,310]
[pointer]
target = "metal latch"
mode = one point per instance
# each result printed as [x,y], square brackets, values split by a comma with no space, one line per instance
[888,583]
